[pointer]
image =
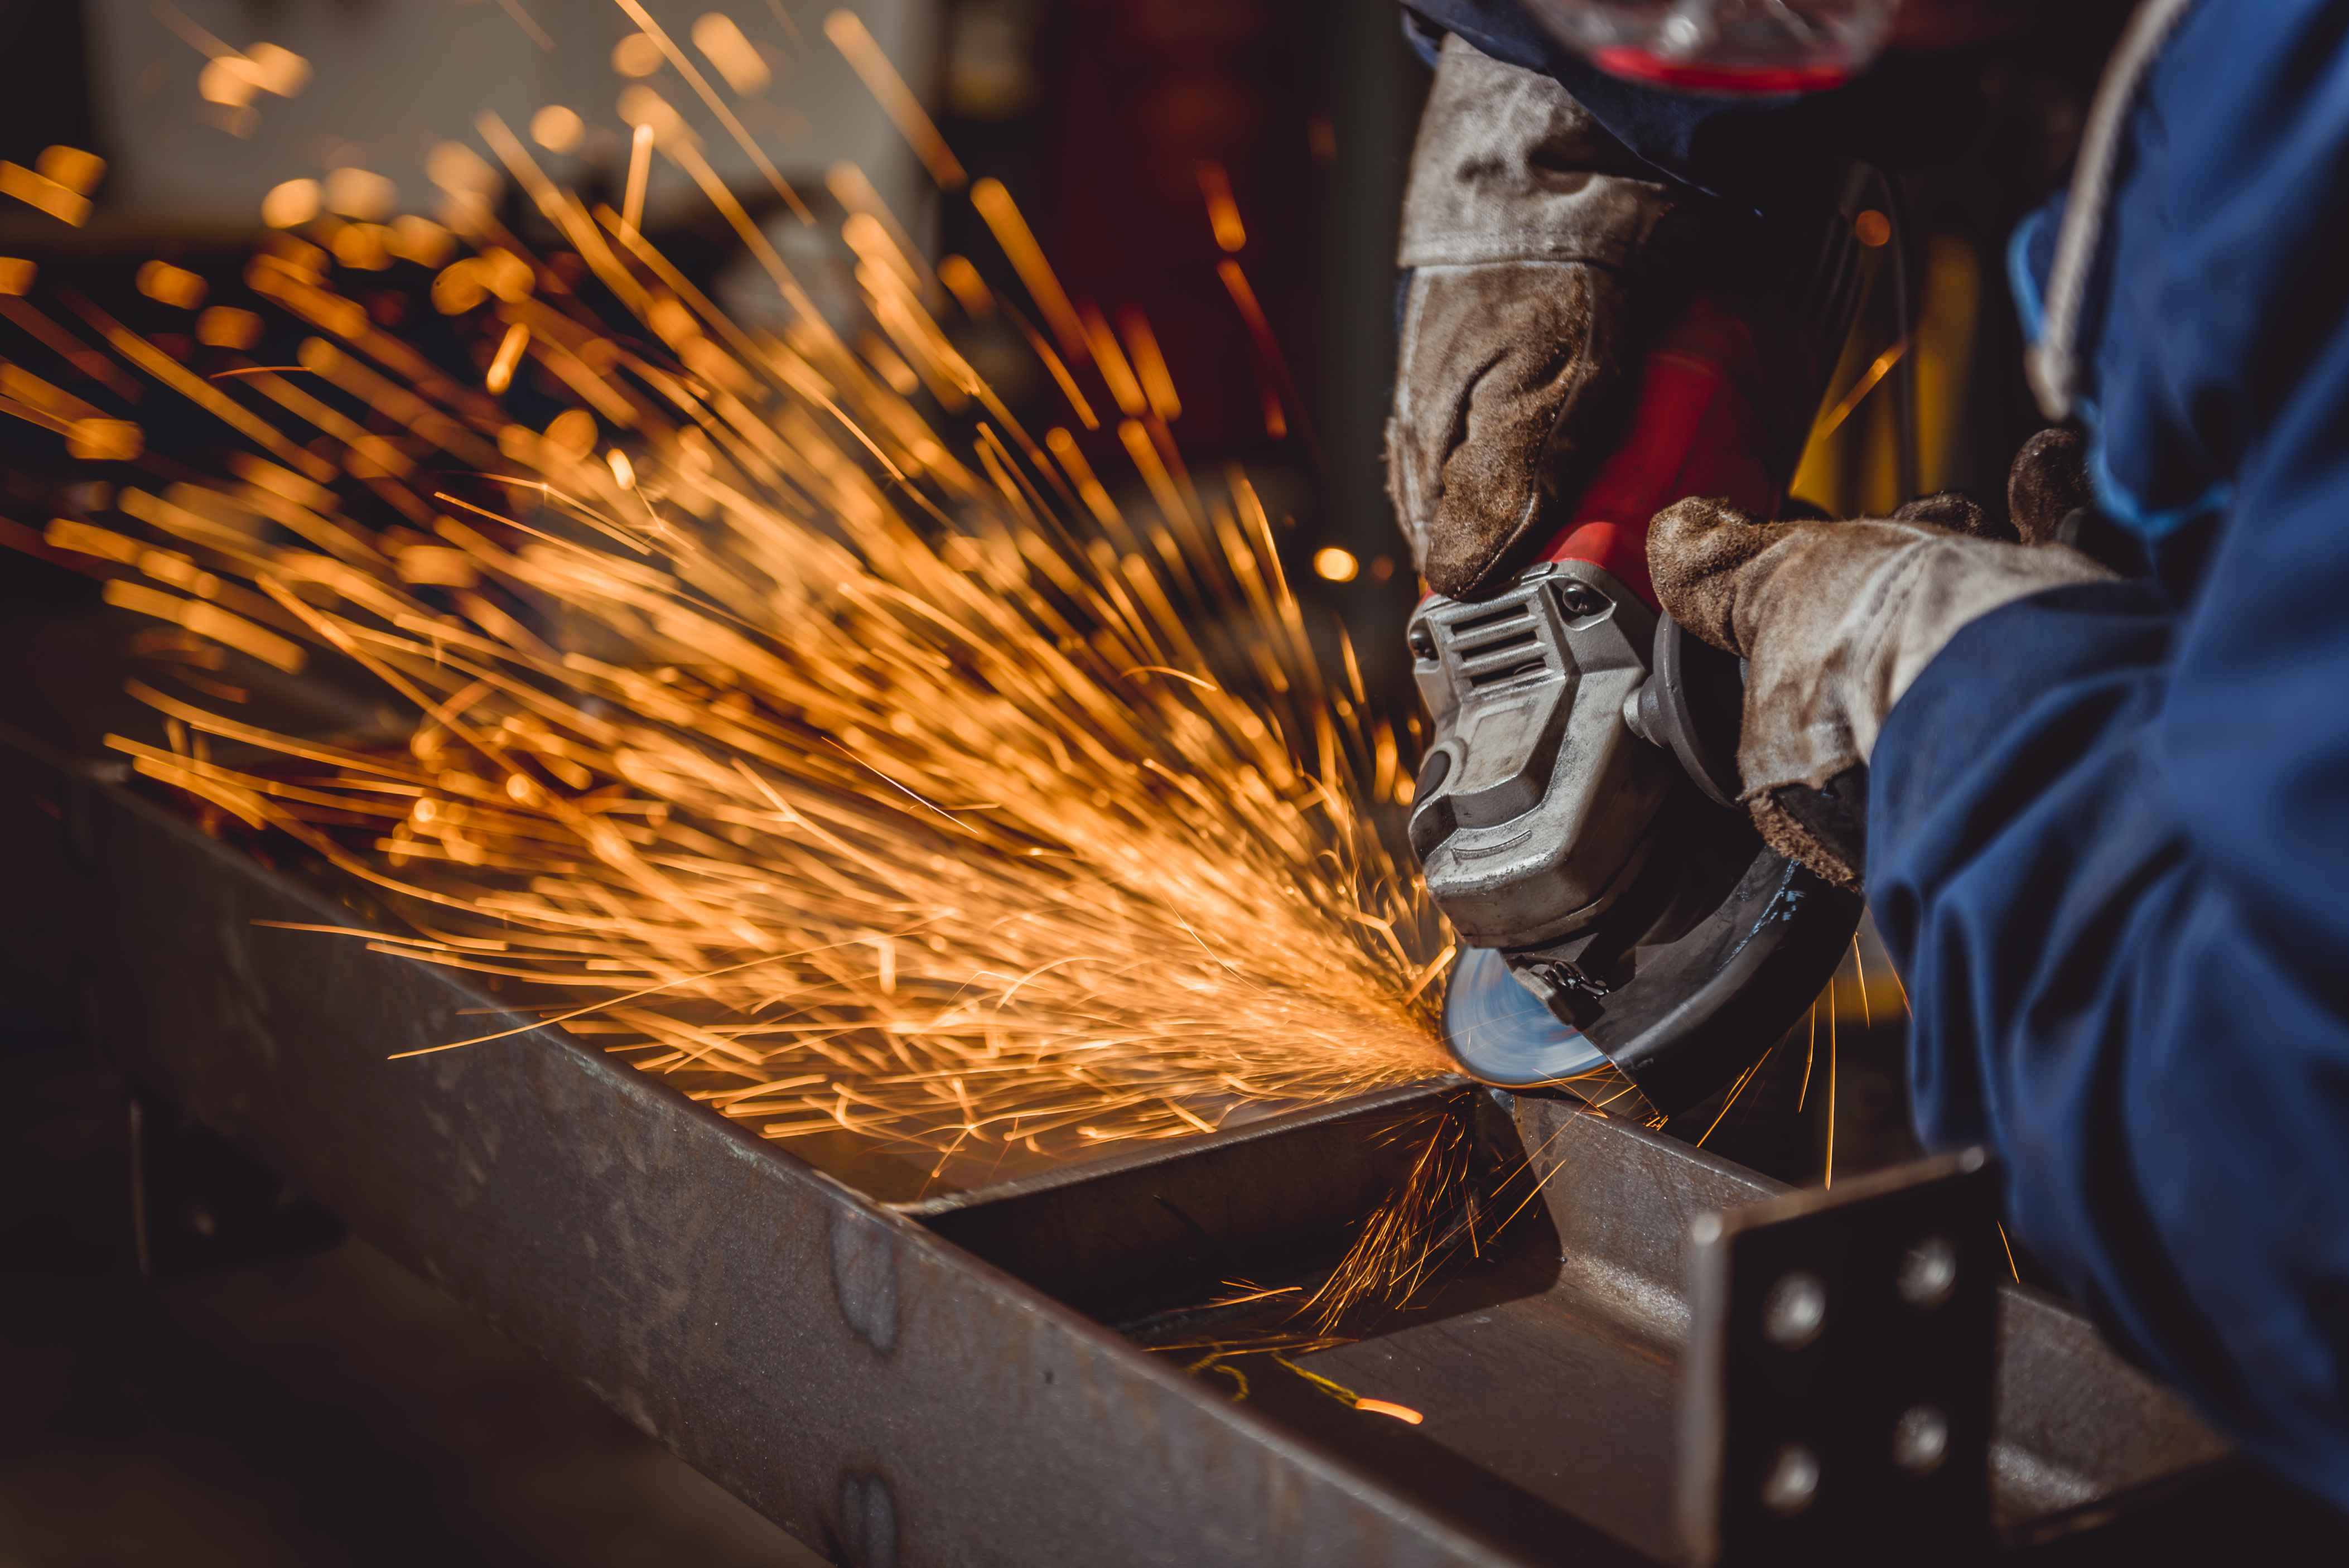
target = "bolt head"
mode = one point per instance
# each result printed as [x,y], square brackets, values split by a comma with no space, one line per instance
[1791,1482]
[1582,599]
[1928,1272]
[1422,638]
[1794,1311]
[1920,1439]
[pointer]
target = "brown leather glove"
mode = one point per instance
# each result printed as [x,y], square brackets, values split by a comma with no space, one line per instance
[1835,620]
[1528,228]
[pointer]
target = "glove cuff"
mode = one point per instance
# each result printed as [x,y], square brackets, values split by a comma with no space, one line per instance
[1509,168]
[1842,617]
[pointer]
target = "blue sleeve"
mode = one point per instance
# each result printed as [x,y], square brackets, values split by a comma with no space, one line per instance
[2109,829]
[2109,851]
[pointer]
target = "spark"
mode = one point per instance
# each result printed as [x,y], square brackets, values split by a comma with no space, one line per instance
[1278,390]
[360,193]
[1223,213]
[1734,1090]
[1249,1292]
[636,56]
[1150,364]
[864,56]
[716,105]
[1347,1397]
[1810,1052]
[1832,419]
[1027,258]
[166,285]
[1423,1220]
[1212,1362]
[291,204]
[1333,564]
[39,192]
[71,167]
[557,127]
[861,768]
[1828,1179]
[226,326]
[640,164]
[531,29]
[509,355]
[723,45]
[1124,388]
[2010,1251]
[1403,1413]
[1335,1389]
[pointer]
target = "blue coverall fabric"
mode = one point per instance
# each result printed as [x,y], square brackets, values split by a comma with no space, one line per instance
[2109,827]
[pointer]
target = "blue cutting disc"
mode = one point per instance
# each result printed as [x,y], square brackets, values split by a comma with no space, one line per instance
[1500,1034]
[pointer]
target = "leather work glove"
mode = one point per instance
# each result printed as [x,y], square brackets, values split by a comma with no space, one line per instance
[1835,620]
[1527,230]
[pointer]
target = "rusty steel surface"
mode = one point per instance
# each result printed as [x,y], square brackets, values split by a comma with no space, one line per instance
[957,1381]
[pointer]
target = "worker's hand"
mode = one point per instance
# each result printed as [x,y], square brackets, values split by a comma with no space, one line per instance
[1835,620]
[1527,230]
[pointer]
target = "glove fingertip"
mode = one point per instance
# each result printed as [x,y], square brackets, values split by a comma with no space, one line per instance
[1694,548]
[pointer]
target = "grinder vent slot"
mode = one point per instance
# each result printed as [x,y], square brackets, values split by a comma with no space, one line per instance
[1501,646]
[1462,630]
[1515,670]
[1521,638]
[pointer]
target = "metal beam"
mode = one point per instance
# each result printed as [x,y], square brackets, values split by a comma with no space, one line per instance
[878,1392]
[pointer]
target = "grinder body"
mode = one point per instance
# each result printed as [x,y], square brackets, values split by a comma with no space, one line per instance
[1577,809]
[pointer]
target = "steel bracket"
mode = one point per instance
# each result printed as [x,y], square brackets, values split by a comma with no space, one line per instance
[1837,1391]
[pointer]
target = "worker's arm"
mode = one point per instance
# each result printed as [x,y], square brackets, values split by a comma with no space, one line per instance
[2110,837]
[2109,851]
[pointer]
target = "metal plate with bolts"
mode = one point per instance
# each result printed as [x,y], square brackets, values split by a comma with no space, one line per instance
[1839,1373]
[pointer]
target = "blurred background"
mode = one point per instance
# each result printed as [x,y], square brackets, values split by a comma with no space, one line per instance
[1214,183]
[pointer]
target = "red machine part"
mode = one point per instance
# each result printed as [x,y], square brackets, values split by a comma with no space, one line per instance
[1726,82]
[1702,423]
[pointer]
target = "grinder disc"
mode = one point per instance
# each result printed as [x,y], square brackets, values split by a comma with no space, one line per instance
[1503,1035]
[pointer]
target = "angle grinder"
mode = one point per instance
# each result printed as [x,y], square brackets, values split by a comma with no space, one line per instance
[1577,815]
